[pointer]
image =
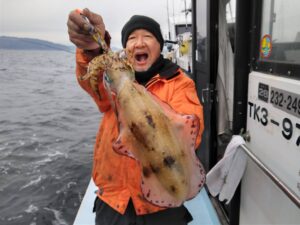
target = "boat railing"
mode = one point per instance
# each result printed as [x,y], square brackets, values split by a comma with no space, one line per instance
[279,183]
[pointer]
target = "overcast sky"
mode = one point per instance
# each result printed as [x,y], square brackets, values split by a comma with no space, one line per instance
[46,19]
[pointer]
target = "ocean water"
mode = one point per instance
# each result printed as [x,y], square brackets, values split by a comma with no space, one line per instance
[47,131]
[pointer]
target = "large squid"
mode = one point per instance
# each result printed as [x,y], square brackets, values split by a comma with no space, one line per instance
[161,140]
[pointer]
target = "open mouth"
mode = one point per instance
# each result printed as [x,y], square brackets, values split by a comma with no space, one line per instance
[141,57]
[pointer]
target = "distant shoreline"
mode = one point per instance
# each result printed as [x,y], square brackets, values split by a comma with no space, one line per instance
[17,43]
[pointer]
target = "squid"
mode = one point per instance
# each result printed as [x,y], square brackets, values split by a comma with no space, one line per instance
[150,131]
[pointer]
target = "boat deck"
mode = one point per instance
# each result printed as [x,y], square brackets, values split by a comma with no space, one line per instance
[200,207]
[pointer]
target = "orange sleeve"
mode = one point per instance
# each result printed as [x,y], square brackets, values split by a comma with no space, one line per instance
[185,100]
[82,61]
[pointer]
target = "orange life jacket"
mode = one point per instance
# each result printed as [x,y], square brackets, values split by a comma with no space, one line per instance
[118,177]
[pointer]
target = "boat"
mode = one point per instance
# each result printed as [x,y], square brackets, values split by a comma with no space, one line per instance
[245,61]
[178,44]
[249,85]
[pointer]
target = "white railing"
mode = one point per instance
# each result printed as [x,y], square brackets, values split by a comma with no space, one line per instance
[290,194]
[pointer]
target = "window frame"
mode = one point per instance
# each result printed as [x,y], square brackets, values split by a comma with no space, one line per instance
[268,66]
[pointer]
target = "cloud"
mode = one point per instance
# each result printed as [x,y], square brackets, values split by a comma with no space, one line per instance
[47,19]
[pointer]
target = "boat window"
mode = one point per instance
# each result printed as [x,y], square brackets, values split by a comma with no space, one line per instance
[230,19]
[201,48]
[182,28]
[230,11]
[280,32]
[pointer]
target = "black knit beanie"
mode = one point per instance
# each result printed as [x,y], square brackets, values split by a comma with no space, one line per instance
[142,22]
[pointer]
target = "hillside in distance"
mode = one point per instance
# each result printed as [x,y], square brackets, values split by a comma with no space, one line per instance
[16,43]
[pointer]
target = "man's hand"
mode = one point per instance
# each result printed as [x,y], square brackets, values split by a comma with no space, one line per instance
[78,35]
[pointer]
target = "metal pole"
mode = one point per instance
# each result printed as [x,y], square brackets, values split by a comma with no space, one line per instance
[290,194]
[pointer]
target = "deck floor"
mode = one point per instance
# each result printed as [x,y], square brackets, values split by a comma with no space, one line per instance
[200,207]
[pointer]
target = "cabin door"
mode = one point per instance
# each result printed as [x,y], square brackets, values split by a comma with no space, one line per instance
[202,74]
[213,42]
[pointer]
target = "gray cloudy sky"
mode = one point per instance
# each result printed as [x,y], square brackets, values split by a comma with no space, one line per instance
[46,19]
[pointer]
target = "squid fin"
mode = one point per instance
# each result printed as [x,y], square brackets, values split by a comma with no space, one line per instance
[186,128]
[121,146]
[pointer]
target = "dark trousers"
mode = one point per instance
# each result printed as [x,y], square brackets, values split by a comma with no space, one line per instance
[105,215]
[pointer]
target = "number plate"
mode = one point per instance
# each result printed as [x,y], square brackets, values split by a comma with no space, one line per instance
[286,101]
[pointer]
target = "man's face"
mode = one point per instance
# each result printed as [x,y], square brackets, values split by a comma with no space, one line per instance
[144,49]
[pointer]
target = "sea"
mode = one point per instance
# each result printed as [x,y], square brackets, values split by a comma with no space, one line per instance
[47,132]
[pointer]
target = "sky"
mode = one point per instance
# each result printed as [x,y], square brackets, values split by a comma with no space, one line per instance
[46,19]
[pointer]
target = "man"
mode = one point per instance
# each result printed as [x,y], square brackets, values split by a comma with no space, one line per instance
[119,199]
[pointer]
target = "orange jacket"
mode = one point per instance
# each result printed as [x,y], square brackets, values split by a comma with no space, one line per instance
[118,177]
